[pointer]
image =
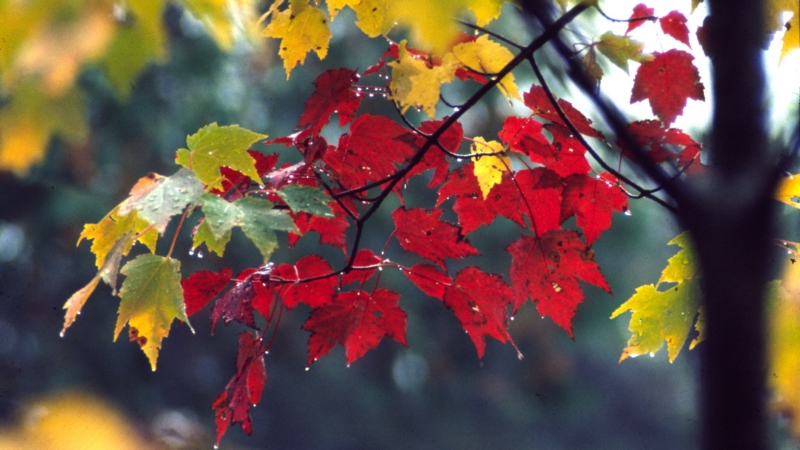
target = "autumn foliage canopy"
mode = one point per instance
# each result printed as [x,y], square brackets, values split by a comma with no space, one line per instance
[551,171]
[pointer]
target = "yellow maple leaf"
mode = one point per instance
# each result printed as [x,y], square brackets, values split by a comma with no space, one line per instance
[373,17]
[489,169]
[486,10]
[301,28]
[432,23]
[152,297]
[483,55]
[789,191]
[416,84]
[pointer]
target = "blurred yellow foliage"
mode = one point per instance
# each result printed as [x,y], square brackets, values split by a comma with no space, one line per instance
[72,421]
[44,45]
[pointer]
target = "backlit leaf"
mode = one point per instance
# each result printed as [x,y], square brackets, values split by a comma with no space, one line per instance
[667,82]
[640,10]
[489,169]
[152,298]
[674,24]
[415,84]
[621,49]
[301,28]
[483,55]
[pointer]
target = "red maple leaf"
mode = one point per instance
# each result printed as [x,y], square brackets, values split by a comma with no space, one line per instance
[372,151]
[313,293]
[333,95]
[536,99]
[480,302]
[540,195]
[471,209]
[201,287]
[674,24]
[546,269]
[358,320]
[364,258]
[429,279]
[424,233]
[661,143]
[593,202]
[639,11]
[667,81]
[237,303]
[232,405]
[331,231]
[435,158]
[536,191]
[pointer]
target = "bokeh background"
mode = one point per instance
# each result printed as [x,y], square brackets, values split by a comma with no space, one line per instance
[564,394]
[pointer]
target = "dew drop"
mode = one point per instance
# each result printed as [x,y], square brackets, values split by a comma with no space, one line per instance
[627,212]
[456,109]
[216,446]
[308,368]
[191,252]
[261,186]
[459,159]
[253,405]
[61,334]
[512,317]
[380,269]
[371,95]
[200,254]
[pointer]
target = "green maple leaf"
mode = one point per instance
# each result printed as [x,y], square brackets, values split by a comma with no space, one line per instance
[213,147]
[255,216]
[621,49]
[213,243]
[152,297]
[307,199]
[164,198]
[666,313]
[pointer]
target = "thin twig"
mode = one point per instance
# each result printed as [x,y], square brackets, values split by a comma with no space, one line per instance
[644,192]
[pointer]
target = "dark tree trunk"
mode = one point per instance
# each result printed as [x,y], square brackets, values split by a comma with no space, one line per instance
[731,215]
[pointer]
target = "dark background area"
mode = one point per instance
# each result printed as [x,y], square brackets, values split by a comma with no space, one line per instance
[437,394]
